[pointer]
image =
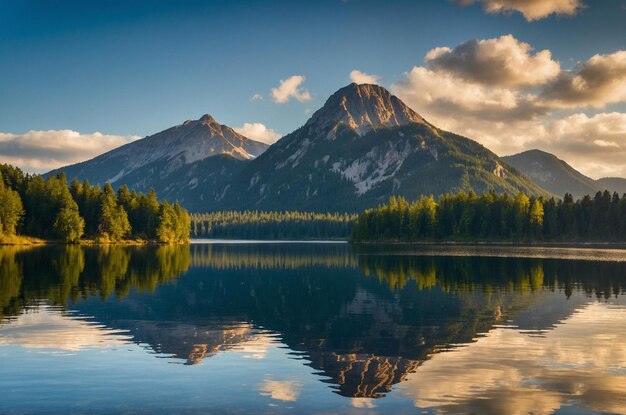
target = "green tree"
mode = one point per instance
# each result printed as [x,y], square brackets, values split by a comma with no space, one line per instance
[536,218]
[113,220]
[11,210]
[68,225]
[521,204]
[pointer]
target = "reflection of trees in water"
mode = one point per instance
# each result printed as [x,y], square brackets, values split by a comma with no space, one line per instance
[11,276]
[493,275]
[455,274]
[59,274]
[272,256]
[365,321]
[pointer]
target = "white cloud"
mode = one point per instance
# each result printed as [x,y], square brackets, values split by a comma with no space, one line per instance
[596,145]
[289,88]
[600,81]
[41,151]
[259,132]
[531,9]
[604,143]
[442,96]
[363,78]
[256,97]
[510,110]
[503,61]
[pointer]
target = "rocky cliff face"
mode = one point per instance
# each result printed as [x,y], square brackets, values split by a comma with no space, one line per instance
[362,108]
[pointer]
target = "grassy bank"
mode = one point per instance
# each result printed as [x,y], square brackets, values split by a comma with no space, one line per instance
[21,240]
[28,240]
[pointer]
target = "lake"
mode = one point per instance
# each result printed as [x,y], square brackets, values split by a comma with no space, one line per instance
[312,329]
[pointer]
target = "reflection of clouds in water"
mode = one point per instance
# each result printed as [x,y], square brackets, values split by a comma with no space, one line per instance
[257,347]
[48,328]
[282,390]
[580,362]
[363,403]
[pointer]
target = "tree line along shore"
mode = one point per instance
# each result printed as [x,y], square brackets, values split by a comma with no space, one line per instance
[496,217]
[272,225]
[34,209]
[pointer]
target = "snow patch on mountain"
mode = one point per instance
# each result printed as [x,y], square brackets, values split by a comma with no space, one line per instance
[375,167]
[294,159]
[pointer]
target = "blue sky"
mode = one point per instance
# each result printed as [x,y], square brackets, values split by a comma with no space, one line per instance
[134,68]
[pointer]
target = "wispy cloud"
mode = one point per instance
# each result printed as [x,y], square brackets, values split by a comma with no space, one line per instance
[290,88]
[256,97]
[41,151]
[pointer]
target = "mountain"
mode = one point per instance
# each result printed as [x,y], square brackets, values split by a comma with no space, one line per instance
[552,173]
[186,162]
[558,177]
[363,145]
[616,184]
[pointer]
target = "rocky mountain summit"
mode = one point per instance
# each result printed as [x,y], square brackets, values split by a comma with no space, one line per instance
[362,108]
[361,146]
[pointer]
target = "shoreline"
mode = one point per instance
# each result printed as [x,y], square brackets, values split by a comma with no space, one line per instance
[529,244]
[31,241]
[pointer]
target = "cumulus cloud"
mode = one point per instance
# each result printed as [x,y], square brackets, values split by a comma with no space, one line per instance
[600,81]
[41,151]
[256,97]
[527,102]
[531,9]
[596,144]
[439,95]
[259,132]
[363,78]
[290,88]
[503,61]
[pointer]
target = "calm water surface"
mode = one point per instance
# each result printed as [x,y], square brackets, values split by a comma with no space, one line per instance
[312,328]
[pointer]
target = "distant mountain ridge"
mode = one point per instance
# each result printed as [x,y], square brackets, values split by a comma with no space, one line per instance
[363,145]
[617,184]
[558,177]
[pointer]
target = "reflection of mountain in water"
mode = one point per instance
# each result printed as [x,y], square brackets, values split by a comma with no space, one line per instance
[365,322]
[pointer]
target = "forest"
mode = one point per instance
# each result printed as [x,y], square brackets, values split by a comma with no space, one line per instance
[47,208]
[272,225]
[496,217]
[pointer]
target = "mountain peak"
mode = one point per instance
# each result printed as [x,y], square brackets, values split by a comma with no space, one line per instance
[363,107]
[207,119]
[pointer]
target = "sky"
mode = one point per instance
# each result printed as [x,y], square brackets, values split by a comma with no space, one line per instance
[78,78]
